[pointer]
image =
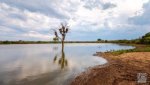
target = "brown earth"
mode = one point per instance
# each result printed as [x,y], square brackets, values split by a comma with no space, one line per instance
[120,70]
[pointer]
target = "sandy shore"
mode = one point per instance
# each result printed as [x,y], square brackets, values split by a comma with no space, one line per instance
[124,69]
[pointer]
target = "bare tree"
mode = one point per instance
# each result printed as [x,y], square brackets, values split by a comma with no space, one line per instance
[63,30]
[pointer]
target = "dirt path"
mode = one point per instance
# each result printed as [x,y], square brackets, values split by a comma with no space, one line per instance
[122,70]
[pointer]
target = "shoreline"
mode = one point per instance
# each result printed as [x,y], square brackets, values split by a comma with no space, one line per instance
[122,70]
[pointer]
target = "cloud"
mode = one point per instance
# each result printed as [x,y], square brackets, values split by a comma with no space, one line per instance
[108,5]
[91,4]
[24,18]
[37,35]
[47,7]
[33,19]
[23,21]
[143,17]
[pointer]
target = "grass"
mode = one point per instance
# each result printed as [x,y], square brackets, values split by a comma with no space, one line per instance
[138,48]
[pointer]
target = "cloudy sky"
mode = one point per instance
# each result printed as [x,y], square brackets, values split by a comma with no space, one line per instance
[88,19]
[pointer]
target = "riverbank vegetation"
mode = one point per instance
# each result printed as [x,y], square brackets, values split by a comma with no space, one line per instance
[145,39]
[138,48]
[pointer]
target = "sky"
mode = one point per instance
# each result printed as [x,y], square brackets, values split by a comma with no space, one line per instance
[87,19]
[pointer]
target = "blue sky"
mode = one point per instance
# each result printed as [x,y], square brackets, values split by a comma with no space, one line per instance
[88,19]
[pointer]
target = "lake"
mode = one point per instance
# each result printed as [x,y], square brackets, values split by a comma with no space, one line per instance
[46,64]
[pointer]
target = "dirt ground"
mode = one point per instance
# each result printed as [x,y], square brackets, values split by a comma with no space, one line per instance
[125,69]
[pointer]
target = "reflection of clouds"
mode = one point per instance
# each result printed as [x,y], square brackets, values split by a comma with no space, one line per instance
[37,60]
[34,67]
[55,48]
[31,66]
[83,62]
[31,62]
[81,44]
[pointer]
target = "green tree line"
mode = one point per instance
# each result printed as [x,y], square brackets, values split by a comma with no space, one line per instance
[142,40]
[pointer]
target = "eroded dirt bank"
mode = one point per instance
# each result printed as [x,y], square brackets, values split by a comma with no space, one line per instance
[122,70]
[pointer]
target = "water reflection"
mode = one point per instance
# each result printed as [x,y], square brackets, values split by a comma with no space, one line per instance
[61,60]
[48,64]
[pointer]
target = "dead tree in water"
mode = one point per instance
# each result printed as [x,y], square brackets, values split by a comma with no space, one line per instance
[63,30]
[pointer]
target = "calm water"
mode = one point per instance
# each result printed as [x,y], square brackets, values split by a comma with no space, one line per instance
[46,64]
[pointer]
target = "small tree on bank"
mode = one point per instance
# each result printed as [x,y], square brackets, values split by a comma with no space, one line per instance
[55,39]
[99,39]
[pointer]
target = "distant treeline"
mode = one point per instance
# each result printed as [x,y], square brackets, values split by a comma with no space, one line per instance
[142,40]
[44,42]
[22,42]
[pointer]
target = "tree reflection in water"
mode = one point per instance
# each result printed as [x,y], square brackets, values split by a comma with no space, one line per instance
[62,61]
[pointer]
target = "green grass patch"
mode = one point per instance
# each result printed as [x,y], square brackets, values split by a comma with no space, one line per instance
[138,48]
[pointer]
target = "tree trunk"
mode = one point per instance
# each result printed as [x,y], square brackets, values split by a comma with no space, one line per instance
[62,43]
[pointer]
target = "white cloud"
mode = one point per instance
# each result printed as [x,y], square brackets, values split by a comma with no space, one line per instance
[34,34]
[29,20]
[14,19]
